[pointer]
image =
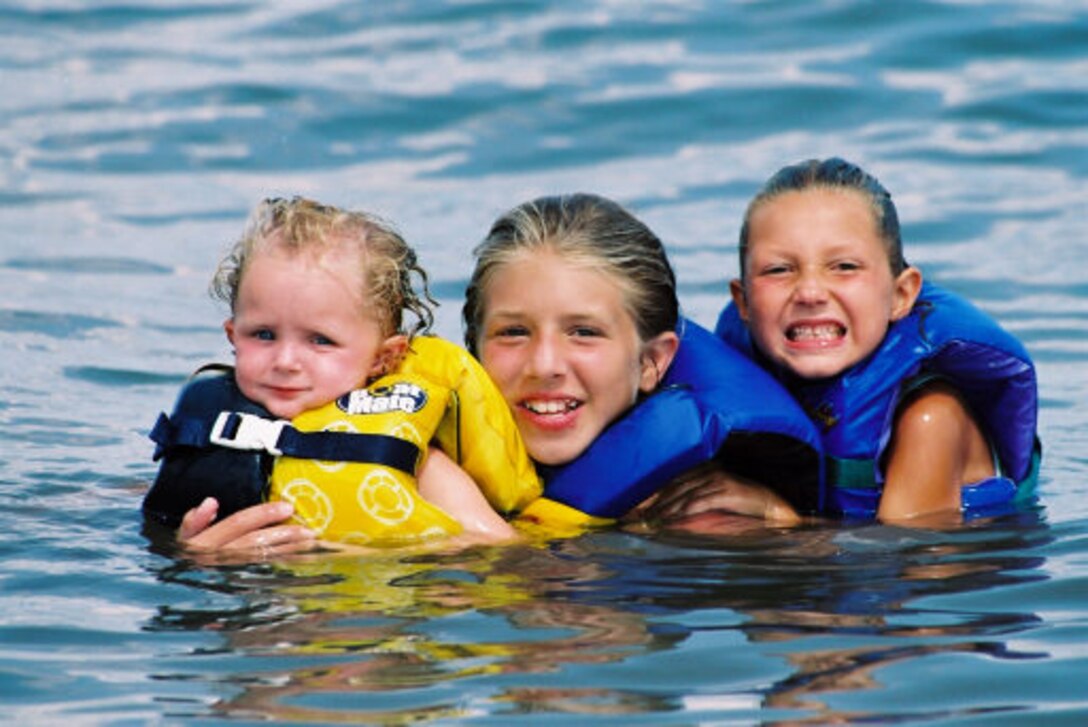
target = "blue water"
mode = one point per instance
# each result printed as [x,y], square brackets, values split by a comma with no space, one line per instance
[135,137]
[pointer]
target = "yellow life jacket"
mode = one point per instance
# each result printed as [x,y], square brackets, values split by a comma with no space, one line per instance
[440,394]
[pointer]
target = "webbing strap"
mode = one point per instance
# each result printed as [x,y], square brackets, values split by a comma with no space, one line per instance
[854,474]
[382,449]
[239,430]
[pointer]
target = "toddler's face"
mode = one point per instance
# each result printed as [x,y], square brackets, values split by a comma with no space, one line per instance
[300,337]
[818,293]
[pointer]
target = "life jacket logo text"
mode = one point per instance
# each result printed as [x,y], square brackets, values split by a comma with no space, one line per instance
[401,396]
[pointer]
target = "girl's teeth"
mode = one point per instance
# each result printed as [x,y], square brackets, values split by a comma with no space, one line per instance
[549,407]
[815,333]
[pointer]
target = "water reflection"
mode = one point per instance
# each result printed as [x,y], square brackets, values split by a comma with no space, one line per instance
[402,639]
[348,628]
[884,584]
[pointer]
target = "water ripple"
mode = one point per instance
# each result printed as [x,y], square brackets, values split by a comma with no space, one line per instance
[121,377]
[93,265]
[54,325]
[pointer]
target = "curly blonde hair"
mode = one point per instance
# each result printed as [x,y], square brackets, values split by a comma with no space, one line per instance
[300,225]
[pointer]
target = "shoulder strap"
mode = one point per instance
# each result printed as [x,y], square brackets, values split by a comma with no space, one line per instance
[855,474]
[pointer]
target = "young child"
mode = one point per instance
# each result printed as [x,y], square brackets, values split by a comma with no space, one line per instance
[572,309]
[927,408]
[317,297]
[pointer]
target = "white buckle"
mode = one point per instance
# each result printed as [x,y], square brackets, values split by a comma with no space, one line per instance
[252,432]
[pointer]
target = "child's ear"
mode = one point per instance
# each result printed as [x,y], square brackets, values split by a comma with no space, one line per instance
[657,356]
[736,288]
[389,355]
[228,326]
[907,287]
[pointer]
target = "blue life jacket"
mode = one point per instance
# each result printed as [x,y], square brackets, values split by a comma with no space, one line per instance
[944,337]
[713,403]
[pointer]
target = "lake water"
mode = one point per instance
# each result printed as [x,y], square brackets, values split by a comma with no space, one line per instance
[134,139]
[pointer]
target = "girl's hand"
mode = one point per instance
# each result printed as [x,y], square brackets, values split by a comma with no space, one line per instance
[257,530]
[709,488]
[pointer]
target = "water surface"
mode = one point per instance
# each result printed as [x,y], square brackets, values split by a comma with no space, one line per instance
[135,137]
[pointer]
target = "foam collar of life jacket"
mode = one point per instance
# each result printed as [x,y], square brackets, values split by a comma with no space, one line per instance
[714,404]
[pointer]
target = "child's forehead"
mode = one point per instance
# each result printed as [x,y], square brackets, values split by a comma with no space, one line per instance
[815,209]
[340,266]
[576,260]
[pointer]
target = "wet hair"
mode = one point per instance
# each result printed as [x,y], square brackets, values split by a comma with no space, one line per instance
[302,226]
[588,230]
[832,173]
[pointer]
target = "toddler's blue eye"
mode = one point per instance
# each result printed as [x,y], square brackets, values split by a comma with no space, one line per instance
[264,335]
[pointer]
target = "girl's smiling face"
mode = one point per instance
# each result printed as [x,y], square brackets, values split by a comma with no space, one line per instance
[818,292]
[562,347]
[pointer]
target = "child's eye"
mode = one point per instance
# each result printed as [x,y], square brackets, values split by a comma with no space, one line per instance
[585,332]
[511,332]
[846,266]
[320,340]
[264,334]
[776,269]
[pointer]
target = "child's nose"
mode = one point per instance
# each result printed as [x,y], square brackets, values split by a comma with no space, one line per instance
[286,356]
[811,288]
[545,357]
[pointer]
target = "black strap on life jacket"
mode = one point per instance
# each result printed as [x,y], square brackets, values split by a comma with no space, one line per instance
[216,443]
[251,432]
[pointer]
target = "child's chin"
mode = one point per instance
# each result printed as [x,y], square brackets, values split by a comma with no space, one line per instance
[816,370]
[283,412]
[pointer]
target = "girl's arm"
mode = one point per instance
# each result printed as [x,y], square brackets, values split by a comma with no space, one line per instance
[444,484]
[936,448]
